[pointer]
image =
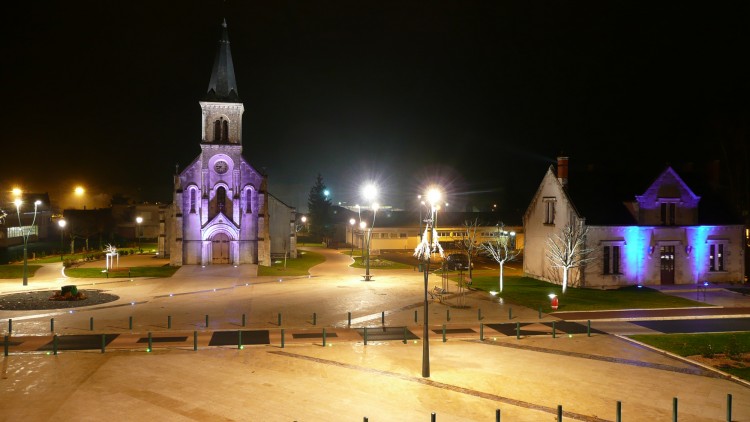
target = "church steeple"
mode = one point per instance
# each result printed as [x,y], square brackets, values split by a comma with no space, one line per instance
[223,87]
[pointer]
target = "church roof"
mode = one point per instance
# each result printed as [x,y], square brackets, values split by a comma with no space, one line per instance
[223,86]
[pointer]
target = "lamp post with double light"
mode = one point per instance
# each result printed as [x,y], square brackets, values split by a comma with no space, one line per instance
[424,250]
[25,233]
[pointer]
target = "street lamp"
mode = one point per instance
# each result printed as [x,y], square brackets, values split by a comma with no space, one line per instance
[79,191]
[139,220]
[351,223]
[424,250]
[370,193]
[362,227]
[61,222]
[25,232]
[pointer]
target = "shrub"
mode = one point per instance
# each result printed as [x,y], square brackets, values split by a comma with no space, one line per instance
[708,351]
[734,349]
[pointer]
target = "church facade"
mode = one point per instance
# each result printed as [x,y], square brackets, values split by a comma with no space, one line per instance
[220,210]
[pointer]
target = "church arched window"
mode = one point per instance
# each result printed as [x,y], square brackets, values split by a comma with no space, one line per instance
[192,200]
[225,131]
[217,131]
[221,199]
[249,201]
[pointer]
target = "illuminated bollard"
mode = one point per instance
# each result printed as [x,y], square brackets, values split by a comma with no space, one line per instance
[481,332]
[674,409]
[91,324]
[315,318]
[169,321]
[195,341]
[52,325]
[432,417]
[279,319]
[510,313]
[518,330]
[10,326]
[443,333]
[559,413]
[540,312]
[365,336]
[349,320]
[588,329]
[404,335]
[382,318]
[104,342]
[282,338]
[479,314]
[5,346]
[54,344]
[239,339]
[497,415]
[243,320]
[324,337]
[206,320]
[130,323]
[150,342]
[415,316]
[554,331]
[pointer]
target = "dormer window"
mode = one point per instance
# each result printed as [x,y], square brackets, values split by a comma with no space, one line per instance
[668,212]
[221,130]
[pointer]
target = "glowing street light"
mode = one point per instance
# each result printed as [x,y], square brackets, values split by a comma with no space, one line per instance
[62,223]
[424,250]
[362,227]
[139,220]
[25,232]
[351,223]
[370,193]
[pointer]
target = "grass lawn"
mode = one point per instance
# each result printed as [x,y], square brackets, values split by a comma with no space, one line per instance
[164,271]
[708,346]
[381,264]
[16,271]
[294,266]
[533,293]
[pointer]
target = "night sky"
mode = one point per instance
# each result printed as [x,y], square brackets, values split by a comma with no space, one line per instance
[479,95]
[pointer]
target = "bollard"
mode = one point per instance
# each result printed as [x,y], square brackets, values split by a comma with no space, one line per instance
[52,325]
[10,326]
[315,318]
[510,313]
[195,341]
[128,272]
[282,338]
[324,337]
[130,323]
[674,409]
[365,419]
[618,415]
[5,346]
[279,319]
[588,329]
[404,335]
[239,339]
[104,342]
[91,323]
[443,333]
[481,332]
[559,413]
[150,342]
[448,314]
[497,415]
[518,330]
[729,408]
[54,344]
[349,320]
[540,312]
[432,417]
[365,336]
[243,320]
[382,318]
[206,320]
[553,329]
[169,321]
[415,316]
[479,314]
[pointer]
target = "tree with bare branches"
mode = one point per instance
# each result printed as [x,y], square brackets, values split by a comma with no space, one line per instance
[502,249]
[567,249]
[469,243]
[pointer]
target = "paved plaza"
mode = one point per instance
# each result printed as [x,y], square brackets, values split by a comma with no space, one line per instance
[303,355]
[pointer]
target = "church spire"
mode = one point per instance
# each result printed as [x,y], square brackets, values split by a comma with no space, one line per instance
[223,87]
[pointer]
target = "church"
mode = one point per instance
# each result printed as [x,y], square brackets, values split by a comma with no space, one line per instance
[222,212]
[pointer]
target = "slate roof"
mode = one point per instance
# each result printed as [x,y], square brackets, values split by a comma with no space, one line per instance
[223,87]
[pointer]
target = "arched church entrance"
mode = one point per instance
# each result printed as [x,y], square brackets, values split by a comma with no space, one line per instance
[220,249]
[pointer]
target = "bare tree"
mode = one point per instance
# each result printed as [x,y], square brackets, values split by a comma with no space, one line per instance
[502,249]
[469,243]
[567,249]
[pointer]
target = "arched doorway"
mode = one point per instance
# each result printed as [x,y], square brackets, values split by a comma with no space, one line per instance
[220,249]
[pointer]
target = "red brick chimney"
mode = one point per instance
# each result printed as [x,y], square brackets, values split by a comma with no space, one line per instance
[562,170]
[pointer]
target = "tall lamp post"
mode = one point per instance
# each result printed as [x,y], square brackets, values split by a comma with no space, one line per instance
[424,250]
[25,232]
[139,220]
[351,223]
[370,193]
[61,222]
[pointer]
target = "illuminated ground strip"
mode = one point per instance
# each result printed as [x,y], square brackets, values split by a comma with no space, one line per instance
[444,386]
[689,371]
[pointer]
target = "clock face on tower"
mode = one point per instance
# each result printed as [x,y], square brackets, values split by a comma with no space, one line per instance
[221,167]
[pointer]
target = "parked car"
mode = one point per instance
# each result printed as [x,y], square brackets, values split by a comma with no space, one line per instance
[457,261]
